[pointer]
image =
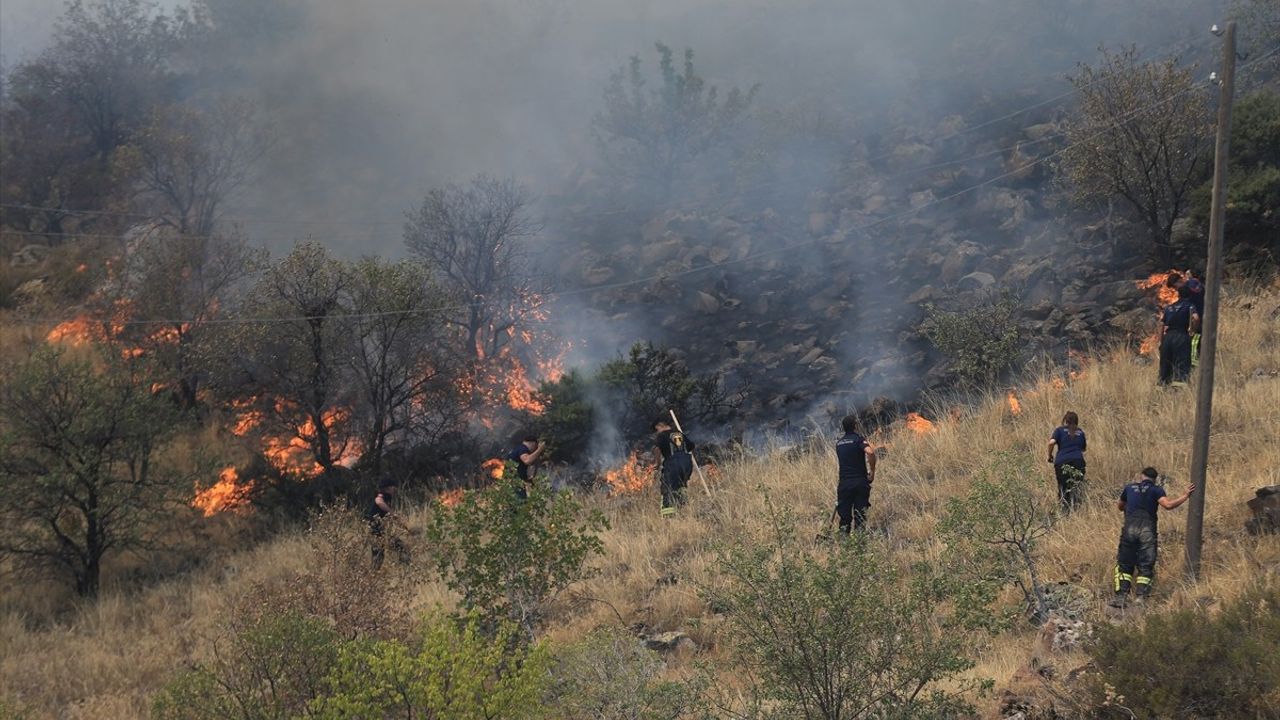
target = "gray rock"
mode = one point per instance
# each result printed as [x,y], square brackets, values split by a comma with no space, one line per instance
[1265,507]
[976,281]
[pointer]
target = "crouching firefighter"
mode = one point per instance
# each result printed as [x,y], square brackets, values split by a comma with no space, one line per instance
[672,450]
[1136,559]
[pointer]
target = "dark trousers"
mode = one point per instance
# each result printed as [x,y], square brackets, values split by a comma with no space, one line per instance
[1175,357]
[1136,558]
[676,471]
[1070,476]
[381,541]
[852,502]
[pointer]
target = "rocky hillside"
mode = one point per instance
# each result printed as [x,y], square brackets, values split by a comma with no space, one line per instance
[111,656]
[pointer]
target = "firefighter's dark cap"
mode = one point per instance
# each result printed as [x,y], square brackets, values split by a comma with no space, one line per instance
[387,482]
[1150,472]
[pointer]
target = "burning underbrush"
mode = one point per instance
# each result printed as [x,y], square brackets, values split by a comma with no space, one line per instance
[1162,289]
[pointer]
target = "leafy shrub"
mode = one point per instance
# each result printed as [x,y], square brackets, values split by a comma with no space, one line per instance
[509,557]
[569,419]
[981,341]
[1194,664]
[454,671]
[995,530]
[840,631]
[610,676]
[652,380]
[339,585]
[273,668]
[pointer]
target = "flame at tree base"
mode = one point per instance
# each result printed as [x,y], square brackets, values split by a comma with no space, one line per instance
[228,494]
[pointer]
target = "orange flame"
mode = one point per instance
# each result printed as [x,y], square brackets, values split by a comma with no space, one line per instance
[291,452]
[632,476]
[494,467]
[226,494]
[1015,407]
[451,498]
[1165,294]
[918,424]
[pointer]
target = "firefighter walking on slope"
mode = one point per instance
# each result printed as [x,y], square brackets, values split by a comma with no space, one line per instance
[672,451]
[1139,538]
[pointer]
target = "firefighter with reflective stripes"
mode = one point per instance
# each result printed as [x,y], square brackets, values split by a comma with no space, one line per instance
[1136,559]
[672,449]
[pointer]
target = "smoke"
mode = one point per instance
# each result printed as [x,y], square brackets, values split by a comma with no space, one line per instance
[376,102]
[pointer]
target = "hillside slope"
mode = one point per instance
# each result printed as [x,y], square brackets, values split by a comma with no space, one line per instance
[107,659]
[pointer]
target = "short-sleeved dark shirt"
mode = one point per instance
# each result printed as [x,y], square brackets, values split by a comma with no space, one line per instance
[1141,500]
[851,451]
[522,470]
[1070,447]
[670,442]
[1177,316]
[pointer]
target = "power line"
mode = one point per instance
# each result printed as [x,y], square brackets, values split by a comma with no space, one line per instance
[684,273]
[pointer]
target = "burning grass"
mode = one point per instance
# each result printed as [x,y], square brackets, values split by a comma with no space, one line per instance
[119,650]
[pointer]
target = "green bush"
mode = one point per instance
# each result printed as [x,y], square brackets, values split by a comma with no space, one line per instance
[841,632]
[568,422]
[508,557]
[1193,663]
[994,532]
[272,669]
[981,341]
[652,380]
[610,675]
[455,671]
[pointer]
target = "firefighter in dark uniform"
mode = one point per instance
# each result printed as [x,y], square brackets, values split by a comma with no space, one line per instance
[379,514]
[857,472]
[672,449]
[1136,559]
[1177,322]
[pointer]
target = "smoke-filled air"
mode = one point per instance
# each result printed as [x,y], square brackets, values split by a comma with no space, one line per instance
[639,359]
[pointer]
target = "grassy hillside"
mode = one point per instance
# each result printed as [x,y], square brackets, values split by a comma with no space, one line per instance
[110,656]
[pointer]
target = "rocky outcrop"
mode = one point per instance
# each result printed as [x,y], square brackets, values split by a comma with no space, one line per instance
[1265,510]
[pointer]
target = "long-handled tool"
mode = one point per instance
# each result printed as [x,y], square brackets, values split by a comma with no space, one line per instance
[705,488]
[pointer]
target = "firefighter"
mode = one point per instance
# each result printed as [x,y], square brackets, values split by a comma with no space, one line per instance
[672,450]
[525,455]
[381,512]
[857,471]
[1195,284]
[1068,461]
[1136,558]
[1177,322]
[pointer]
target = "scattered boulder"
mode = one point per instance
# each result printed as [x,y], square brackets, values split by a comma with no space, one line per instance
[673,641]
[976,281]
[30,256]
[1265,507]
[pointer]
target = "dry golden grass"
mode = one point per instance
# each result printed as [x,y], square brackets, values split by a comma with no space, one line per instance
[107,659]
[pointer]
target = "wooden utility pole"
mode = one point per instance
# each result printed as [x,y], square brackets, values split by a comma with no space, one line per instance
[1209,323]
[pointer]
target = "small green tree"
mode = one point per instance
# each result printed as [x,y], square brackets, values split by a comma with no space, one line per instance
[995,531]
[79,469]
[568,422]
[1253,195]
[652,136]
[272,669]
[1140,139]
[981,341]
[610,675]
[841,631]
[454,671]
[510,556]
[652,380]
[1224,664]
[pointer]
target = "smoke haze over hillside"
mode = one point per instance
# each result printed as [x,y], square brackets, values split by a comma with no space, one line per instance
[375,102]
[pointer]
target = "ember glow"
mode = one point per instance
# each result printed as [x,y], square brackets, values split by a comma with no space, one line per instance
[1015,407]
[920,425]
[494,467]
[451,498]
[630,477]
[229,493]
